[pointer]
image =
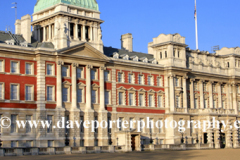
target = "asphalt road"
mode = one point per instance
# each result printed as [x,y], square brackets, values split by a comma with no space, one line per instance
[220,154]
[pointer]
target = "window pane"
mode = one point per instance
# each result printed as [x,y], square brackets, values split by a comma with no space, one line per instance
[159,101]
[50,93]
[1,66]
[106,97]
[120,98]
[106,75]
[14,89]
[93,74]
[94,96]
[140,79]
[28,128]
[141,100]
[79,72]
[28,68]
[14,67]
[28,93]
[49,69]
[119,77]
[79,95]
[131,99]
[64,71]
[49,119]
[150,100]
[13,123]
[1,91]
[65,95]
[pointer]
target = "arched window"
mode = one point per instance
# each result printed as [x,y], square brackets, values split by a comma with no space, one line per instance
[165,54]
[160,55]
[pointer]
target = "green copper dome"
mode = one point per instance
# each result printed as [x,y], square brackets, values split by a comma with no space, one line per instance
[43,4]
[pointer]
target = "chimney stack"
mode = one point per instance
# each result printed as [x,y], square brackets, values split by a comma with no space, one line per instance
[127,43]
[18,26]
[25,24]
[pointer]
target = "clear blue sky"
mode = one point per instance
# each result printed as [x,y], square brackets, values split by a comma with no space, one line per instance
[219,20]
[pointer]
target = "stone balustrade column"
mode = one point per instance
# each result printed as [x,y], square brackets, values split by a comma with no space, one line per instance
[192,93]
[220,95]
[49,32]
[172,94]
[210,94]
[83,33]
[234,99]
[201,94]
[185,100]
[102,89]
[74,85]
[88,88]
[76,31]
[59,84]
[44,33]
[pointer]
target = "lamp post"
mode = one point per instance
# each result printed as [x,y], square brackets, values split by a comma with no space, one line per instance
[182,139]
[197,137]
[66,140]
[110,139]
[117,141]
[74,139]
[151,140]
[0,140]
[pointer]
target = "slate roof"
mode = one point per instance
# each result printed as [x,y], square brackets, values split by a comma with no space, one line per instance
[4,36]
[108,51]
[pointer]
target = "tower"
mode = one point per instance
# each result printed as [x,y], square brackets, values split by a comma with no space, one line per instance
[67,22]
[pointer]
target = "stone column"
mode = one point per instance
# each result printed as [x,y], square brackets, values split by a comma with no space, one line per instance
[201,94]
[83,32]
[102,90]
[88,88]
[90,33]
[192,93]
[50,32]
[172,94]
[44,33]
[74,85]
[220,95]
[210,94]
[59,84]
[217,138]
[230,97]
[234,91]
[76,32]
[95,33]
[235,138]
[228,136]
[185,101]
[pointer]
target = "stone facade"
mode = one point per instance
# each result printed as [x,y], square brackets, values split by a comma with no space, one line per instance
[92,82]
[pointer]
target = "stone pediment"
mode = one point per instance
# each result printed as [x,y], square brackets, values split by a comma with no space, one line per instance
[83,50]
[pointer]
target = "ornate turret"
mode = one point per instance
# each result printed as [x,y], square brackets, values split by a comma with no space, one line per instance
[67,22]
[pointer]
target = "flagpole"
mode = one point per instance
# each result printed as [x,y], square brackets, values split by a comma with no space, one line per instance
[196,27]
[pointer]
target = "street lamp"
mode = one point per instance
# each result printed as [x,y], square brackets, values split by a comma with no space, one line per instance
[151,140]
[66,140]
[182,139]
[0,140]
[197,137]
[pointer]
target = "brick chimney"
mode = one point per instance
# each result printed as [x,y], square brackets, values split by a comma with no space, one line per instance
[127,42]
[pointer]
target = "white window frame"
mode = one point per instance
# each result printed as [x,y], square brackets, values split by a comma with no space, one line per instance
[16,144]
[123,98]
[18,91]
[27,124]
[205,103]
[68,70]
[82,72]
[133,98]
[3,65]
[109,97]
[152,100]
[159,81]
[15,130]
[178,101]
[96,93]
[68,93]
[132,78]
[122,77]
[53,93]
[161,104]
[195,103]
[96,74]
[50,129]
[18,67]
[142,79]
[177,82]
[32,92]
[143,101]
[150,81]
[53,69]
[2,91]
[50,143]
[82,86]
[78,96]
[96,89]
[32,68]
[107,77]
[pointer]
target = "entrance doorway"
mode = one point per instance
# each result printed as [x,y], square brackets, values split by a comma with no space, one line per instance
[222,140]
[133,143]
[205,138]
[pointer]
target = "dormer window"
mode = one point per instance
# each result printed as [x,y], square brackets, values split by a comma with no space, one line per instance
[116,55]
[126,57]
[135,58]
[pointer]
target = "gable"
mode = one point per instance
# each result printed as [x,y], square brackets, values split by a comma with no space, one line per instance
[83,50]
